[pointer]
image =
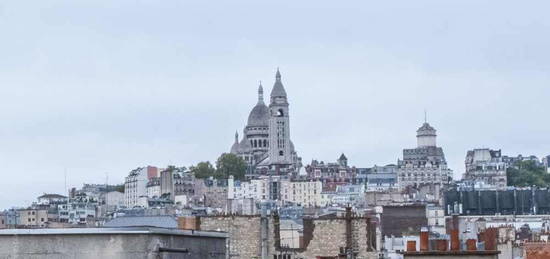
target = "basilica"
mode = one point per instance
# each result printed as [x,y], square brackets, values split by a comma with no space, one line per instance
[265,145]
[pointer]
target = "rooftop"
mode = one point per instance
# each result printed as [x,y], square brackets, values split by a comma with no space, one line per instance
[111,231]
[143,221]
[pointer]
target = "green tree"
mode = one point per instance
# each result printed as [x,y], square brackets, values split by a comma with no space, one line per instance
[203,170]
[527,173]
[118,188]
[230,164]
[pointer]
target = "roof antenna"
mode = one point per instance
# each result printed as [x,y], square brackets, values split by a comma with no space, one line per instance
[425,116]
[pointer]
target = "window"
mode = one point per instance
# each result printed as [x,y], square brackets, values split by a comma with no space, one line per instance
[281,153]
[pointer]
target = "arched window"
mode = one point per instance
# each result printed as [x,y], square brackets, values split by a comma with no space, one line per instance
[281,153]
[255,143]
[280,113]
[265,143]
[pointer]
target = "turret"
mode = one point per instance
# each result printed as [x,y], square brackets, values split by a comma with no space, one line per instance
[426,136]
[260,93]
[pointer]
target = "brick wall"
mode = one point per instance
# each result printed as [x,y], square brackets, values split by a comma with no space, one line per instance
[536,251]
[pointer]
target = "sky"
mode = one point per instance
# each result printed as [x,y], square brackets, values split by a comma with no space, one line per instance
[92,89]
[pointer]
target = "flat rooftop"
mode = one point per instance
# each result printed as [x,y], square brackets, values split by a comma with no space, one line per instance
[112,231]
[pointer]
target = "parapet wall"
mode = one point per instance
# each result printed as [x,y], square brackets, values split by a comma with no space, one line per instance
[120,246]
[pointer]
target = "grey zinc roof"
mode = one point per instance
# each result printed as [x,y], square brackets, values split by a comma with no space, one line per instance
[143,221]
[425,128]
[343,157]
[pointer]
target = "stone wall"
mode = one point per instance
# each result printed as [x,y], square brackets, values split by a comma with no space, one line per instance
[244,233]
[328,236]
[322,237]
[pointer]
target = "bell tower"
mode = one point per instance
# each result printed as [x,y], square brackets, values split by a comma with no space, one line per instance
[279,128]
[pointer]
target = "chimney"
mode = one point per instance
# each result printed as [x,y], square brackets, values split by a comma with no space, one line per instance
[471,244]
[481,239]
[491,239]
[424,239]
[189,223]
[455,222]
[411,246]
[442,244]
[455,242]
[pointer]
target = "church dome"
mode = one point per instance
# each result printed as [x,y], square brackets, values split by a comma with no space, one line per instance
[235,148]
[244,146]
[259,116]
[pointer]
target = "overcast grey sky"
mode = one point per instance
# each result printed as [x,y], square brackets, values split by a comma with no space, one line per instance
[96,87]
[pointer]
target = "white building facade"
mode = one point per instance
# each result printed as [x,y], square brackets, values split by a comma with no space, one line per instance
[135,186]
[425,164]
[486,166]
[304,193]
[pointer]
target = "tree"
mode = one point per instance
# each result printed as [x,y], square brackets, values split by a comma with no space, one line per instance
[230,164]
[203,170]
[527,173]
[118,188]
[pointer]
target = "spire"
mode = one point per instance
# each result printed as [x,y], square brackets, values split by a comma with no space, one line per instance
[260,93]
[236,137]
[278,88]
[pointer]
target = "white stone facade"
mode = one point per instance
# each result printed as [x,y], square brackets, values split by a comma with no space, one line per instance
[33,217]
[436,218]
[257,189]
[266,145]
[153,191]
[486,166]
[424,164]
[304,193]
[135,186]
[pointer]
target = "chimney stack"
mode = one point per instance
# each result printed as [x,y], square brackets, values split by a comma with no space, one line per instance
[411,246]
[424,239]
[471,244]
[189,223]
[442,244]
[491,239]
